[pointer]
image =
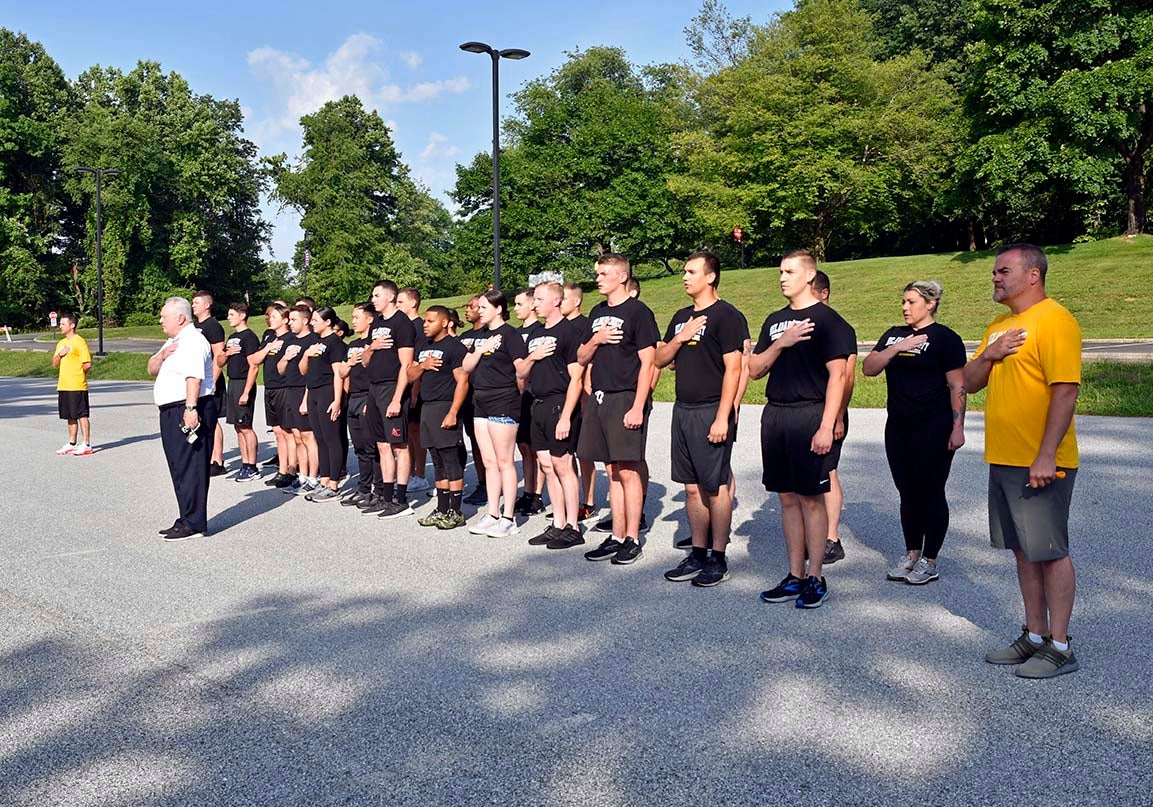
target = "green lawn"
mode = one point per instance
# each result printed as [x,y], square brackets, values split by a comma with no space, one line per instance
[1109,388]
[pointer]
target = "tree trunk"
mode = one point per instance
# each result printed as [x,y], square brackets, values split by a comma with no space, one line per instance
[971,229]
[1135,194]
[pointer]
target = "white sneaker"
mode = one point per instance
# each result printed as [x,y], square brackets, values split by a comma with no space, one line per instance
[418,484]
[82,450]
[901,570]
[66,449]
[484,525]
[503,528]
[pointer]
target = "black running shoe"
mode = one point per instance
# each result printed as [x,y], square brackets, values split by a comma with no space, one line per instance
[567,539]
[396,510]
[587,511]
[353,499]
[271,483]
[813,594]
[644,522]
[834,552]
[685,571]
[372,506]
[286,480]
[546,536]
[533,505]
[272,461]
[478,496]
[606,551]
[628,553]
[789,589]
[605,524]
[684,543]
[714,573]
[217,469]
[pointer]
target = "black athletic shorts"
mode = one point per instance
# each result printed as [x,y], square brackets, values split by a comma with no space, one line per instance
[414,410]
[72,404]
[432,414]
[238,414]
[387,430]
[695,460]
[789,464]
[524,424]
[603,436]
[290,417]
[274,406]
[835,451]
[545,414]
[502,403]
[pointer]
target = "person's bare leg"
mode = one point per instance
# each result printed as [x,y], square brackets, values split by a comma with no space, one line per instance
[218,445]
[570,488]
[403,464]
[492,480]
[528,467]
[504,447]
[588,471]
[84,431]
[387,463]
[1031,579]
[816,528]
[555,491]
[793,525]
[633,492]
[616,500]
[834,503]
[698,516]
[73,425]
[720,507]
[1060,591]
[313,450]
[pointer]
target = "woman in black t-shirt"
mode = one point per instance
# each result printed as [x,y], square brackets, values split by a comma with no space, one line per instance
[323,367]
[496,410]
[923,363]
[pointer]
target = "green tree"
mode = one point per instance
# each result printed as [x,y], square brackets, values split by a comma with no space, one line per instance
[1061,99]
[362,214]
[813,140]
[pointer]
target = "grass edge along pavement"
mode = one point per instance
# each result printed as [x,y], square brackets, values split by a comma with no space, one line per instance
[1108,388]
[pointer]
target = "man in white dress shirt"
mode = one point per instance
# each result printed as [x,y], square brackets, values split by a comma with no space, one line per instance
[188,412]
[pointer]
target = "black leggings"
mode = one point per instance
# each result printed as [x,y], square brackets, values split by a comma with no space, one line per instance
[326,430]
[920,459]
[363,442]
[446,463]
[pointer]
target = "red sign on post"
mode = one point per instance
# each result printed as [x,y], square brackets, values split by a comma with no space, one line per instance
[52,318]
[738,234]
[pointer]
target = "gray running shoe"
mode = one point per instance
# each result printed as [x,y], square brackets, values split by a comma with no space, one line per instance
[324,494]
[1020,651]
[922,572]
[901,570]
[1049,662]
[503,529]
[484,525]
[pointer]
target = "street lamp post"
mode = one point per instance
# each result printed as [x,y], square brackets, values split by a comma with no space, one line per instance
[99,173]
[497,55]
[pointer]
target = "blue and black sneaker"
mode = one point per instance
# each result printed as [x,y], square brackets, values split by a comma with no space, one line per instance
[789,589]
[814,593]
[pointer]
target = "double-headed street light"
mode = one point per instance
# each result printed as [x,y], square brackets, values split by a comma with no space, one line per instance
[99,173]
[497,55]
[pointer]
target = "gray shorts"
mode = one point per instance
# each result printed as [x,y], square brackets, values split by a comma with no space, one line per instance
[1036,521]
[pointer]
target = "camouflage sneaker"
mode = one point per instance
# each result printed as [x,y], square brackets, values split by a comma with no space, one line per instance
[1049,662]
[1020,651]
[451,520]
[433,519]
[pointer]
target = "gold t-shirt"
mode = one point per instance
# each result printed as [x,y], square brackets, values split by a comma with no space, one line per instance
[72,375]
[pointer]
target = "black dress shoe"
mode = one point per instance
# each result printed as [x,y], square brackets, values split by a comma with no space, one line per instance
[175,526]
[180,533]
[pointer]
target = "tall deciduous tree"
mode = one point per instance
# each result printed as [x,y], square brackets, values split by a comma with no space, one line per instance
[362,214]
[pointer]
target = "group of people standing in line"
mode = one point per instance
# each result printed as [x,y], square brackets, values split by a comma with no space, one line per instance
[573,390]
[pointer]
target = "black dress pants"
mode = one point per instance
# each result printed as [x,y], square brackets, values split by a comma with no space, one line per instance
[188,462]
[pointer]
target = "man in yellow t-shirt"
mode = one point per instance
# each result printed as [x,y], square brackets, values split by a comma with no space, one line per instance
[74,361]
[1030,359]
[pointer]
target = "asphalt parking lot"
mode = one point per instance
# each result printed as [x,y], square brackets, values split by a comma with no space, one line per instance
[304,654]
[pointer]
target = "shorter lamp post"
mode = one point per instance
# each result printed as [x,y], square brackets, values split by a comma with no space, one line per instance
[99,173]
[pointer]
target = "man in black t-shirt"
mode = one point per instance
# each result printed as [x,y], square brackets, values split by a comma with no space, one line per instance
[570,307]
[707,341]
[835,498]
[295,413]
[470,339]
[241,389]
[408,301]
[210,328]
[619,344]
[804,345]
[553,377]
[529,503]
[388,355]
[356,387]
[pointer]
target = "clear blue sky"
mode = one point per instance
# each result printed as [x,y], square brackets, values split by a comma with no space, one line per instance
[285,59]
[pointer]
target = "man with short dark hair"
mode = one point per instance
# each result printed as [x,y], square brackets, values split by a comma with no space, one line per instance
[408,301]
[570,308]
[208,325]
[1030,359]
[619,344]
[835,498]
[805,345]
[707,341]
[388,357]
[356,386]
[295,415]
[73,359]
[469,339]
[241,391]
[529,503]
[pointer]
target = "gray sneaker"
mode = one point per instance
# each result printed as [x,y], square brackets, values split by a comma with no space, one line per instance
[503,529]
[484,525]
[902,569]
[323,494]
[922,572]
[1049,662]
[1020,651]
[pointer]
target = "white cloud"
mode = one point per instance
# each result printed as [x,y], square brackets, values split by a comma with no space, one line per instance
[411,58]
[438,148]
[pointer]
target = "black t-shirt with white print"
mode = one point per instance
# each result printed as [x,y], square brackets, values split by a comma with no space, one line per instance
[916,378]
[237,365]
[800,374]
[385,364]
[357,374]
[320,373]
[497,370]
[701,361]
[292,374]
[440,384]
[550,375]
[273,379]
[616,367]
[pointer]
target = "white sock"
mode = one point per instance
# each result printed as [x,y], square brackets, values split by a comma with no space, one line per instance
[1035,639]
[1062,646]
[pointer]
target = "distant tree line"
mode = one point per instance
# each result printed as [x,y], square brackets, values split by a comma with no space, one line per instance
[853,127]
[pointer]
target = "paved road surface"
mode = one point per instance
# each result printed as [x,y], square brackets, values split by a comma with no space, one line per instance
[305,655]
